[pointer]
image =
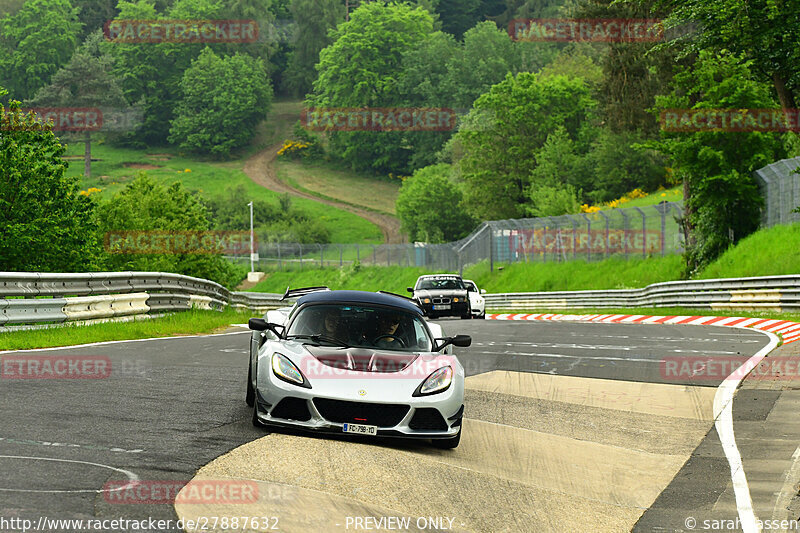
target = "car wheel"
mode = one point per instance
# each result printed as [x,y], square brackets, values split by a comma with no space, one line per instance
[256,422]
[482,315]
[447,444]
[250,397]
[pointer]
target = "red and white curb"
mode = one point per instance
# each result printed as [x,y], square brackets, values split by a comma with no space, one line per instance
[789,331]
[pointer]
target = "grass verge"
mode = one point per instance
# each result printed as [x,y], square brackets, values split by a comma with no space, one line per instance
[184,323]
[392,279]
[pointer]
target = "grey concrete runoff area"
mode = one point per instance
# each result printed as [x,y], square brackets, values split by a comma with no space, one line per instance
[568,427]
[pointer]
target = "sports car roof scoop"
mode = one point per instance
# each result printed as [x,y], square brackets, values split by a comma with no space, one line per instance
[362,359]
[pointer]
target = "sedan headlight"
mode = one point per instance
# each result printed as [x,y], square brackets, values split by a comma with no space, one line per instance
[456,300]
[286,370]
[438,381]
[426,300]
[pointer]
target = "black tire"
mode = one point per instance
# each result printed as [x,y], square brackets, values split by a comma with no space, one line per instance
[250,397]
[482,315]
[447,444]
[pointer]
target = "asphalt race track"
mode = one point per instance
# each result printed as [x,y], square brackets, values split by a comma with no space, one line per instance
[570,426]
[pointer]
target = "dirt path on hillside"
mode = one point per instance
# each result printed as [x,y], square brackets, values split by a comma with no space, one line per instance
[261,169]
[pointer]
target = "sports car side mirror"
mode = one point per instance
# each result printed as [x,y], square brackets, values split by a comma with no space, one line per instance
[259,324]
[462,341]
[410,289]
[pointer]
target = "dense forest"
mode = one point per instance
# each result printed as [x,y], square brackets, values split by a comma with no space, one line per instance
[543,126]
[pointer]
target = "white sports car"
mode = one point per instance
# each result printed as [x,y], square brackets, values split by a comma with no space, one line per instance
[477,303]
[356,362]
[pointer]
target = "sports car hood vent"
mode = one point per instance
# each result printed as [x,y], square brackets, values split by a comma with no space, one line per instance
[362,359]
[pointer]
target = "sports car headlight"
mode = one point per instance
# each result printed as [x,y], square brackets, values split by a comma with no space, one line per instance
[286,370]
[438,381]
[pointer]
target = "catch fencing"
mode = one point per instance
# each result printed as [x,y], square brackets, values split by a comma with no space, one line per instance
[780,187]
[625,233]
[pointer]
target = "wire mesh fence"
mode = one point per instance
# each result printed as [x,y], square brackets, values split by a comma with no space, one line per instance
[625,233]
[780,186]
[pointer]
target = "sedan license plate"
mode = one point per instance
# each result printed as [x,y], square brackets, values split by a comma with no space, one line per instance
[441,306]
[361,429]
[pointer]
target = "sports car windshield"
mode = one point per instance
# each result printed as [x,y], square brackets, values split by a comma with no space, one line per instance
[360,326]
[441,283]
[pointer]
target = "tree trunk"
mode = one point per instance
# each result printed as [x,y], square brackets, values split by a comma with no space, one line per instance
[688,227]
[784,95]
[87,157]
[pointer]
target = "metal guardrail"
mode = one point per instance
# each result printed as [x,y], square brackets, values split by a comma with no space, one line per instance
[31,298]
[773,293]
[34,298]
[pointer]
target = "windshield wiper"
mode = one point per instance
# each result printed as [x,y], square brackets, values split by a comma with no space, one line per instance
[317,338]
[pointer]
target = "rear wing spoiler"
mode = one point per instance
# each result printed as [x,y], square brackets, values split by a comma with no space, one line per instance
[291,293]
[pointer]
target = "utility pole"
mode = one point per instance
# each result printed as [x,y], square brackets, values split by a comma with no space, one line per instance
[252,251]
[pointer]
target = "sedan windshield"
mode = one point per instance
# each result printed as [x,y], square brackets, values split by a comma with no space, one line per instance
[440,284]
[360,326]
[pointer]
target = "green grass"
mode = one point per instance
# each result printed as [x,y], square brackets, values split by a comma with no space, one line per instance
[576,275]
[320,179]
[674,194]
[184,323]
[116,167]
[769,252]
[392,279]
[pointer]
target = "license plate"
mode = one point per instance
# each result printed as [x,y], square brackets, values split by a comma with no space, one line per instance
[361,429]
[441,306]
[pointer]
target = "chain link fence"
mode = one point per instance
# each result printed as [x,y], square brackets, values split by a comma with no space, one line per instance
[626,233]
[780,186]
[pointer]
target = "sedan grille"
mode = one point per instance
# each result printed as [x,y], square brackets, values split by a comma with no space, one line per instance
[441,300]
[373,414]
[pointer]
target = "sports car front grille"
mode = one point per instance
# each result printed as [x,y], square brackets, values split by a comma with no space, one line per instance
[427,418]
[372,414]
[292,409]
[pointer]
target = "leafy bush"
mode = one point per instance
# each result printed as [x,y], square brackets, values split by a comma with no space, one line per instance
[430,207]
[224,99]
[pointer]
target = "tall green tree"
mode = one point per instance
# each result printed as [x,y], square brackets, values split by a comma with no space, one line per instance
[46,225]
[85,81]
[764,31]
[34,43]
[720,193]
[314,20]
[223,101]
[360,69]
[517,115]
